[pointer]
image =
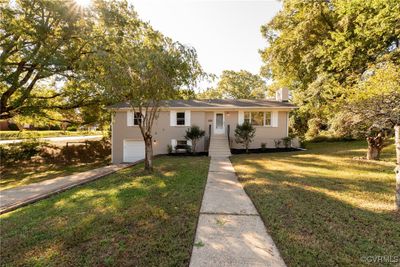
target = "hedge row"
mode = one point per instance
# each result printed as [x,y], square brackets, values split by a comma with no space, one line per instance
[11,135]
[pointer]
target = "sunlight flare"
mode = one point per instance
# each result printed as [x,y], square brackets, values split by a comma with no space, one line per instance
[83,3]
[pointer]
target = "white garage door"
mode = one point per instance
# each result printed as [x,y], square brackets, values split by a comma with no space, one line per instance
[133,150]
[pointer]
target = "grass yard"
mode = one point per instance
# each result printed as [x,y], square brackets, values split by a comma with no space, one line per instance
[128,218]
[326,206]
[34,172]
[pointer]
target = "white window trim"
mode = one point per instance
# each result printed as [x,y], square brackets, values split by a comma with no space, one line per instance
[173,118]
[174,142]
[265,119]
[274,118]
[130,118]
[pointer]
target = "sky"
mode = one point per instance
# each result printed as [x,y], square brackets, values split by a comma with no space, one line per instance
[226,34]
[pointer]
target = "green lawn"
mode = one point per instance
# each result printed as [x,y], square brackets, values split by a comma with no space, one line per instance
[129,218]
[325,206]
[33,172]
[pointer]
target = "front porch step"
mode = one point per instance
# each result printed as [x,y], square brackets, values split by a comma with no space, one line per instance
[219,146]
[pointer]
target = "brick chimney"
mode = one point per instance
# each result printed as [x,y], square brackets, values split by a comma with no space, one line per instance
[282,95]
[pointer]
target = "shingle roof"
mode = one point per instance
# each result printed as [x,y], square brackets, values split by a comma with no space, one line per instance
[217,103]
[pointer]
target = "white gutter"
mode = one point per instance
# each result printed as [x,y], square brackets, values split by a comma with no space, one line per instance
[283,108]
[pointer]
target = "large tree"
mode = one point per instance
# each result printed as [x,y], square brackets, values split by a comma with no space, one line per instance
[371,110]
[41,42]
[237,85]
[142,68]
[319,49]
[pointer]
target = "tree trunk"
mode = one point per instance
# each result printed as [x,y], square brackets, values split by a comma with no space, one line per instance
[373,153]
[397,169]
[148,161]
[397,143]
[194,146]
[375,145]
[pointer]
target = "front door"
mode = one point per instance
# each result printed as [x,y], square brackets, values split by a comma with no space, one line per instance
[219,123]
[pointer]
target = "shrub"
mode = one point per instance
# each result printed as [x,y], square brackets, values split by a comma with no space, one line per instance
[244,134]
[20,151]
[263,146]
[13,127]
[194,133]
[9,135]
[322,138]
[278,143]
[72,128]
[287,141]
[91,151]
[169,149]
[55,127]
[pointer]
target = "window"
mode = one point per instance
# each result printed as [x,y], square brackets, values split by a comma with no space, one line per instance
[268,118]
[257,118]
[181,142]
[180,118]
[137,118]
[247,117]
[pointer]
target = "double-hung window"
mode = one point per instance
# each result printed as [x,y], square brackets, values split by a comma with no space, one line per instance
[180,118]
[134,118]
[137,118]
[268,119]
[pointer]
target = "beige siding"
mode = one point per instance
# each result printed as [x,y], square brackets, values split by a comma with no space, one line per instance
[163,132]
[267,134]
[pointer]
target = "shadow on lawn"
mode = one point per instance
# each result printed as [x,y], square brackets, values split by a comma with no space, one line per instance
[127,219]
[319,216]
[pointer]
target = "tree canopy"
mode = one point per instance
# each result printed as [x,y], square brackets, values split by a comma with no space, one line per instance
[321,49]
[237,85]
[43,43]
[141,67]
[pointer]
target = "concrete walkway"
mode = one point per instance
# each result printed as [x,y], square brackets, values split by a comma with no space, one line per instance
[230,231]
[11,199]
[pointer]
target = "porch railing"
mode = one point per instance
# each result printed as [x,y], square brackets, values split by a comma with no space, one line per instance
[209,137]
[228,129]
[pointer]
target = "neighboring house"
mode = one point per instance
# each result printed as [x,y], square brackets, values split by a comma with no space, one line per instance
[218,117]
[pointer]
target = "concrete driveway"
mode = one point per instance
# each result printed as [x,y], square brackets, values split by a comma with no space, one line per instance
[11,199]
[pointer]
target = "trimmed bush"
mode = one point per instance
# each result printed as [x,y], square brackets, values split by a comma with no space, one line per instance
[244,134]
[20,151]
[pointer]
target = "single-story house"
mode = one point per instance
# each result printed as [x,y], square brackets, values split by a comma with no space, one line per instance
[218,117]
